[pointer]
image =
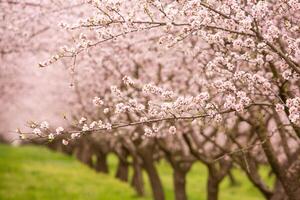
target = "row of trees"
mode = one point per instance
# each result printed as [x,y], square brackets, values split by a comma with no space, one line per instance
[215,82]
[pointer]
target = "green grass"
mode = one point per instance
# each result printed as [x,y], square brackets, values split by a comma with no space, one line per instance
[38,173]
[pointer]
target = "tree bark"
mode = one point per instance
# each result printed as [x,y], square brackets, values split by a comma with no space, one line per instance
[84,153]
[251,170]
[290,185]
[137,181]
[122,170]
[212,188]
[156,185]
[101,163]
[278,193]
[179,177]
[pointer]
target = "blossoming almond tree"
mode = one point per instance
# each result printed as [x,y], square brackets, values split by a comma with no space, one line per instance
[168,65]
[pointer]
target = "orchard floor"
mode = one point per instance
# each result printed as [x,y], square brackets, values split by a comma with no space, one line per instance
[36,173]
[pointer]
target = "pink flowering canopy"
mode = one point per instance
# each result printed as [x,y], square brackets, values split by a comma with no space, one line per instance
[159,62]
[197,79]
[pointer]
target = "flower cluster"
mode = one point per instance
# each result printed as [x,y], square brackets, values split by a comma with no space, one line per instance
[293,105]
[97,101]
[159,62]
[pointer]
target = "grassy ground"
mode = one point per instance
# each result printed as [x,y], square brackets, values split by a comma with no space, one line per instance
[29,173]
[34,173]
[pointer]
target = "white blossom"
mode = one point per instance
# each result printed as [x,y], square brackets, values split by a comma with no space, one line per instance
[279,107]
[59,130]
[51,136]
[97,101]
[172,130]
[82,120]
[37,131]
[65,142]
[106,110]
[85,127]
[44,125]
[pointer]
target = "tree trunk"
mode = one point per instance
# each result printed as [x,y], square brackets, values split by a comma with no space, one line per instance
[251,169]
[212,187]
[290,185]
[156,185]
[122,170]
[84,154]
[137,181]
[86,158]
[279,193]
[55,145]
[101,163]
[179,178]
